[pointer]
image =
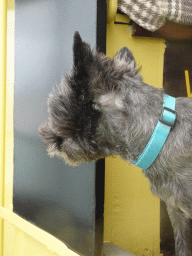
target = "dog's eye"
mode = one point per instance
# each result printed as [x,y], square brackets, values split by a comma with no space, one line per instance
[95,106]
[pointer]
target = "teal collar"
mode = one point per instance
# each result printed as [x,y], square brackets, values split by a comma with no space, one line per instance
[159,135]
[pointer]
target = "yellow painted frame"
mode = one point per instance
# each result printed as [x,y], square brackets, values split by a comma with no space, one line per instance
[3,37]
[132,213]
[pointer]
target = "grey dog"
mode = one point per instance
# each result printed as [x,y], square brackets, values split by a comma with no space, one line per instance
[104,108]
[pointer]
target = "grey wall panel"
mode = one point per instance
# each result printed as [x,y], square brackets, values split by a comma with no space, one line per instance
[56,197]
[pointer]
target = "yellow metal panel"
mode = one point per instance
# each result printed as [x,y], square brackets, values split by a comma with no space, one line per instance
[132,213]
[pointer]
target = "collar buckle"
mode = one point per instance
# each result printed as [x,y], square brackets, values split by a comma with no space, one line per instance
[171,124]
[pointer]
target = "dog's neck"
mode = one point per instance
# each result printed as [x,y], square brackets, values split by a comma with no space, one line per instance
[131,127]
[144,120]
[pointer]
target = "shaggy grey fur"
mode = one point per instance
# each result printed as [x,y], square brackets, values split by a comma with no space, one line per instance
[103,108]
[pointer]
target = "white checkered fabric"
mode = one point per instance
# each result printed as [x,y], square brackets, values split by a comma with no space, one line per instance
[152,14]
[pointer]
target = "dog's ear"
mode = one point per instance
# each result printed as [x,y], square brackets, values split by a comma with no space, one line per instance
[82,54]
[125,55]
[124,61]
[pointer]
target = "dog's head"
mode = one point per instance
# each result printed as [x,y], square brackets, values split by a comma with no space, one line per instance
[85,110]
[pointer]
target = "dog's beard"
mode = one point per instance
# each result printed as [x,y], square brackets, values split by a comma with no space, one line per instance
[64,156]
